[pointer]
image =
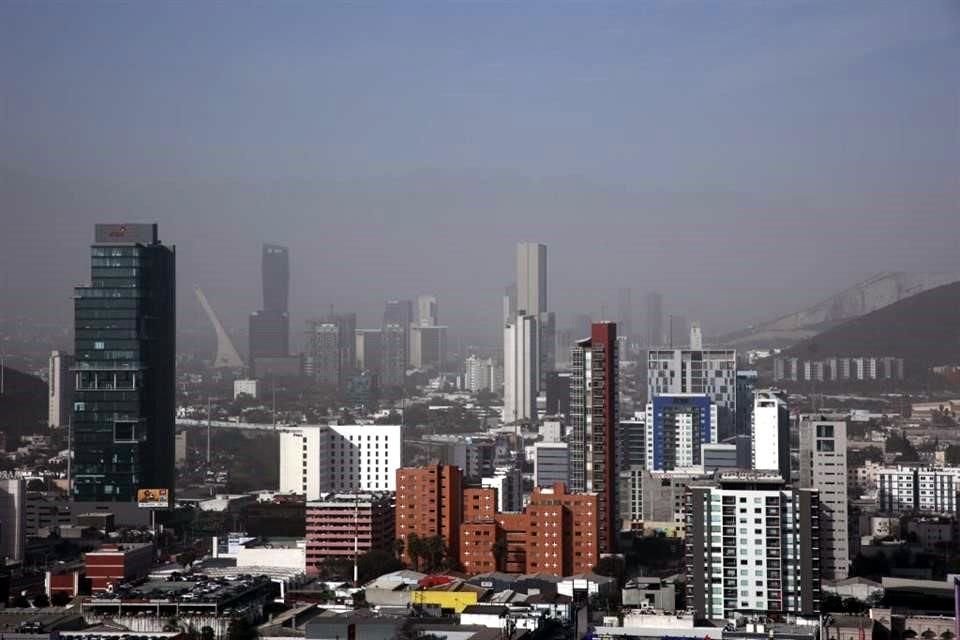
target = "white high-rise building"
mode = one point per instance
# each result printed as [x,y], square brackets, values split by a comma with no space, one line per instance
[427,311]
[61,389]
[823,466]
[480,374]
[751,547]
[696,370]
[509,485]
[13,521]
[521,373]
[770,433]
[319,459]
[930,490]
[531,278]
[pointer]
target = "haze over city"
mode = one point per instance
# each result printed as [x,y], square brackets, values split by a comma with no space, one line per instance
[746,159]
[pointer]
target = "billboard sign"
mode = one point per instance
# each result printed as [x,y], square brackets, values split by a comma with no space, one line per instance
[153,498]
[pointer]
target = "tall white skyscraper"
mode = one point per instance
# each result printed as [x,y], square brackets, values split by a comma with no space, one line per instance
[61,389]
[531,278]
[770,433]
[823,466]
[521,358]
[427,311]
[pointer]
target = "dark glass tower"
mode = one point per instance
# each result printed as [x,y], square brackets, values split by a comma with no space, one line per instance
[270,327]
[125,342]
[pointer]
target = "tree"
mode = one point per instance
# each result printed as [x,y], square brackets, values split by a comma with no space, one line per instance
[415,550]
[613,567]
[20,602]
[187,558]
[952,454]
[41,600]
[59,599]
[241,629]
[398,547]
[500,549]
[206,633]
[376,563]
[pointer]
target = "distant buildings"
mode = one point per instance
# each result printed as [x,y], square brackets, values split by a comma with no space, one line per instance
[752,547]
[653,320]
[770,433]
[696,370]
[123,417]
[481,374]
[270,326]
[61,384]
[823,466]
[330,356]
[594,418]
[428,347]
[395,342]
[838,369]
[321,459]
[909,489]
[520,369]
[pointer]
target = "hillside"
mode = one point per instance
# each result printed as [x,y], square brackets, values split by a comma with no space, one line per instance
[923,329]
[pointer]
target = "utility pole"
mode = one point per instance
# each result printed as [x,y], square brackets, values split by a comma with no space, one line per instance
[356,538]
[209,420]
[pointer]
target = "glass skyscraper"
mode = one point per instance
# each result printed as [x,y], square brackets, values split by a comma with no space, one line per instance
[124,374]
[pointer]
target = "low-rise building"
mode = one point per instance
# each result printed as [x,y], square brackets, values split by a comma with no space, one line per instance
[111,565]
[341,525]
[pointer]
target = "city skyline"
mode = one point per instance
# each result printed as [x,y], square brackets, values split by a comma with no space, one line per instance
[726,131]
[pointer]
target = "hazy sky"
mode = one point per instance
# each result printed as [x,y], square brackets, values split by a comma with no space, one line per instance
[745,158]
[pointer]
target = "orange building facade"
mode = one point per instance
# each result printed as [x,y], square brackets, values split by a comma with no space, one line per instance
[429,502]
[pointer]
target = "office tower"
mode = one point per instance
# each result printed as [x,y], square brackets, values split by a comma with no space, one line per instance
[368,350]
[746,385]
[124,404]
[625,313]
[678,331]
[270,326]
[276,278]
[551,464]
[399,313]
[558,393]
[508,483]
[13,519]
[823,466]
[321,362]
[331,349]
[429,503]
[531,278]
[427,311]
[61,389]
[594,416]
[770,433]
[632,441]
[509,302]
[342,525]
[520,369]
[531,300]
[677,427]
[428,347]
[395,342]
[653,320]
[319,459]
[697,371]
[927,490]
[479,374]
[752,547]
[652,501]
